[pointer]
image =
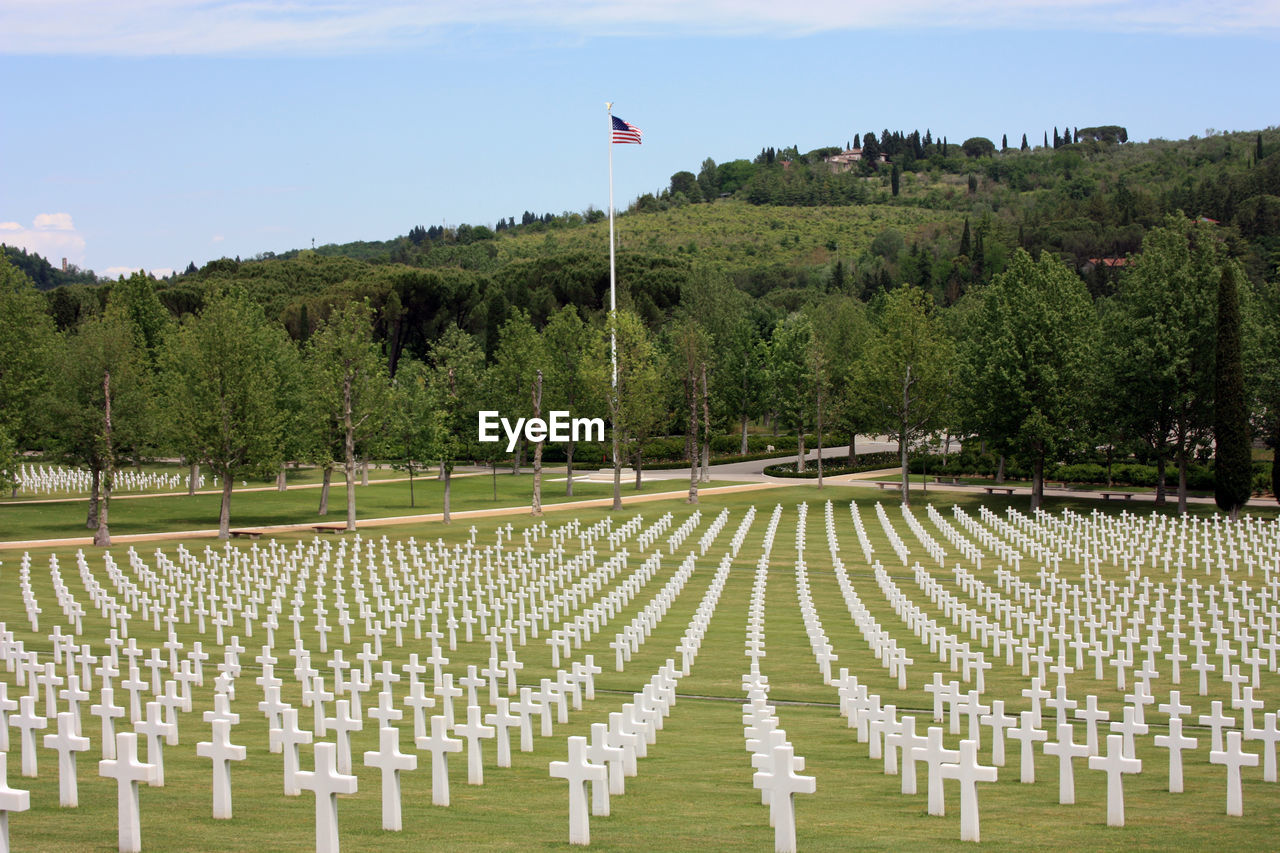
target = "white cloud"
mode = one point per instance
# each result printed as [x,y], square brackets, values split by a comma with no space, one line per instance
[217,238]
[203,27]
[52,235]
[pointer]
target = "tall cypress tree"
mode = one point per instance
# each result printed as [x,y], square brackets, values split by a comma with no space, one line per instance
[894,179]
[1025,146]
[1004,142]
[964,240]
[1233,463]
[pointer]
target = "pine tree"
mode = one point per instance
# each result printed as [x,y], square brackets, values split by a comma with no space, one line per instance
[1004,142]
[1233,462]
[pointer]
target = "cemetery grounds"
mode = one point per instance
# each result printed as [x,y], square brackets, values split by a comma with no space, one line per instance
[992,579]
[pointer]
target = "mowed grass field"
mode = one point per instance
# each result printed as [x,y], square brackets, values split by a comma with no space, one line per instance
[694,790]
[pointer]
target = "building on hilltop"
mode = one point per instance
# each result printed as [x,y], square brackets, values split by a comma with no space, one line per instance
[844,161]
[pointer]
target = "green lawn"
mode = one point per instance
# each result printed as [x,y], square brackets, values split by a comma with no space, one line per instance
[694,790]
[32,520]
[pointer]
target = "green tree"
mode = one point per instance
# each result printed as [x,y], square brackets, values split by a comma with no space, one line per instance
[27,346]
[636,407]
[789,378]
[1028,362]
[99,407]
[841,327]
[978,146]
[457,372]
[517,358]
[576,368]
[1157,346]
[742,354]
[352,389]
[1233,462]
[221,390]
[907,371]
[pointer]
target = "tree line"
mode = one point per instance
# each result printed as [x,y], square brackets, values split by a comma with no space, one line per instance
[1179,363]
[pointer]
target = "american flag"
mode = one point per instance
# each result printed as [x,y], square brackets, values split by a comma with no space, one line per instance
[625,131]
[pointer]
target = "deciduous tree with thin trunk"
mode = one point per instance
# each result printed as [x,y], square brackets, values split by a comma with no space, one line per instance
[222,391]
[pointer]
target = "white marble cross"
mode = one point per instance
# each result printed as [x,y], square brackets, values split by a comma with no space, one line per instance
[390,760]
[935,754]
[1066,750]
[439,744]
[1115,764]
[286,740]
[503,721]
[154,728]
[11,800]
[1027,733]
[222,752]
[1175,742]
[67,743]
[1233,757]
[327,783]
[782,783]
[1269,734]
[968,772]
[472,732]
[27,721]
[128,772]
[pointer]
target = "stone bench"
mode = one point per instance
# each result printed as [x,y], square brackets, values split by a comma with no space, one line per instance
[245,534]
[952,481]
[329,528]
[889,484]
[991,490]
[1128,496]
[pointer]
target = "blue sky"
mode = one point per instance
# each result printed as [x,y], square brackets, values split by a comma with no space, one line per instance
[151,133]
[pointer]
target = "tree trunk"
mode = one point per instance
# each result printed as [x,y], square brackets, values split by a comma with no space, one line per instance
[1161,494]
[95,489]
[536,508]
[349,451]
[1000,469]
[743,449]
[224,514]
[705,475]
[903,461]
[819,439]
[102,536]
[326,478]
[412,504]
[639,465]
[282,479]
[691,387]
[1037,481]
[364,472]
[448,476]
[853,447]
[193,477]
[1182,481]
[568,481]
[800,448]
[493,470]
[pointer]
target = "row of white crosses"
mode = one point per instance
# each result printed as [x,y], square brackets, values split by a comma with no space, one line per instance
[1123,760]
[220,750]
[1119,758]
[887,736]
[773,757]
[611,753]
[58,479]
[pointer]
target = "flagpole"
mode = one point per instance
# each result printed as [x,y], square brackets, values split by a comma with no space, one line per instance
[613,323]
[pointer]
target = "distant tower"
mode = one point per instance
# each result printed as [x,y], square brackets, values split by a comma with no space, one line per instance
[64,264]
